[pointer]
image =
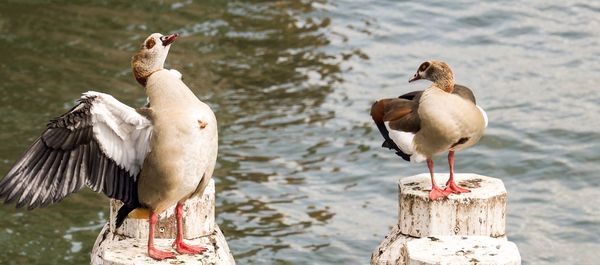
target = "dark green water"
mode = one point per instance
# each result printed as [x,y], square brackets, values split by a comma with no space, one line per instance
[301,178]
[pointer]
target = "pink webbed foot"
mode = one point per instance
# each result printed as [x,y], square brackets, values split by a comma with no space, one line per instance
[159,254]
[436,193]
[183,248]
[452,187]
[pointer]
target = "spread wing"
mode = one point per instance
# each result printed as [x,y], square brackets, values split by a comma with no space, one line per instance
[100,143]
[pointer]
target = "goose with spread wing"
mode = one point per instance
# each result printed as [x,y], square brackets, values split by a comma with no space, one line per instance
[421,124]
[150,158]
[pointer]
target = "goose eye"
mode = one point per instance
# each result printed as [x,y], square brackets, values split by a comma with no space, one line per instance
[150,43]
[424,66]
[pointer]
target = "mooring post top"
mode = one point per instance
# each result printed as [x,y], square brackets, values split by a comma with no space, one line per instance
[479,212]
[133,251]
[111,249]
[482,187]
[462,250]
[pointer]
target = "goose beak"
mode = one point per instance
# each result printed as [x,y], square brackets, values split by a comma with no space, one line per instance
[168,39]
[415,77]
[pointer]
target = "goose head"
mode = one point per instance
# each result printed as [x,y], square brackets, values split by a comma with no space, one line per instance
[437,72]
[151,56]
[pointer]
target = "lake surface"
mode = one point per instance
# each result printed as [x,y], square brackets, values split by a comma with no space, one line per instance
[301,177]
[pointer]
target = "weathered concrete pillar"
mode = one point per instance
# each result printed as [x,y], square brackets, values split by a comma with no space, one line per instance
[462,250]
[479,212]
[482,212]
[127,245]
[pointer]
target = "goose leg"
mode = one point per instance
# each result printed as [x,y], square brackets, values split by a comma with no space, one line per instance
[179,245]
[451,186]
[435,193]
[152,251]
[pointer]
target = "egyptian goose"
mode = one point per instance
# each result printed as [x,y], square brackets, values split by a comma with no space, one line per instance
[150,158]
[421,124]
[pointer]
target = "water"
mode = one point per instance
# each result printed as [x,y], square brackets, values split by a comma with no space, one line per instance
[301,178]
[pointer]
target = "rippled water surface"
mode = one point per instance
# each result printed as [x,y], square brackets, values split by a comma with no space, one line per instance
[301,178]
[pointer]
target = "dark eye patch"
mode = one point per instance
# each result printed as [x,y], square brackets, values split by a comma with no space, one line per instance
[424,66]
[150,43]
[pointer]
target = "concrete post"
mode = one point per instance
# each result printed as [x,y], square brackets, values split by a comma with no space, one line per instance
[482,212]
[127,245]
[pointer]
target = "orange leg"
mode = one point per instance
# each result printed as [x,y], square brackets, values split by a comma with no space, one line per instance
[451,186]
[179,245]
[436,193]
[152,251]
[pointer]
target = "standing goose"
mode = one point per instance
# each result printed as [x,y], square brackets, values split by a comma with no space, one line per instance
[150,158]
[420,124]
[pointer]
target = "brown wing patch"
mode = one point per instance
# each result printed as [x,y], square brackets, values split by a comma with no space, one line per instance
[397,110]
[401,113]
[378,110]
[408,123]
[390,109]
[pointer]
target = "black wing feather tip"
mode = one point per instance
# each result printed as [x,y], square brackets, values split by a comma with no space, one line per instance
[124,212]
[404,156]
[389,143]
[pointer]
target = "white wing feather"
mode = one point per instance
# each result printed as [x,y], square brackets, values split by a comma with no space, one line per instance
[122,133]
[405,141]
